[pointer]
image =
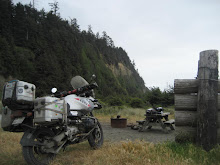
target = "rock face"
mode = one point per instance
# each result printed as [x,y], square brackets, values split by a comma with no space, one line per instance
[119,70]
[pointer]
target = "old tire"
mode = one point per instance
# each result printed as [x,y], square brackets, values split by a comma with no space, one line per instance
[34,155]
[96,137]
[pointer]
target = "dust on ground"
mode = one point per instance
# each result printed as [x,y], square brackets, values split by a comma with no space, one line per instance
[155,134]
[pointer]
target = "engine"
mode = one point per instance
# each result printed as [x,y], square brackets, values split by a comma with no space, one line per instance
[88,123]
[83,125]
[71,132]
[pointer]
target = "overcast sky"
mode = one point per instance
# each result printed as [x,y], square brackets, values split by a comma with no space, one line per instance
[163,37]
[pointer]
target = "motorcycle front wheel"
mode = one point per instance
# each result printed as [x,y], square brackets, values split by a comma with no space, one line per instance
[96,137]
[34,155]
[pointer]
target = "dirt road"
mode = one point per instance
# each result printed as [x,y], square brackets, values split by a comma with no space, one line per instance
[154,135]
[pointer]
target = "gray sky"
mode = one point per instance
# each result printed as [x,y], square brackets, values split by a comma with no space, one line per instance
[163,37]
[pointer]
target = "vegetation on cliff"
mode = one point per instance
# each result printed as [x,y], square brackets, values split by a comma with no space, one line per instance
[42,48]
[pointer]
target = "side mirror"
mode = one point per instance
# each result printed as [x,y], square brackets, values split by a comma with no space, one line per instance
[54,90]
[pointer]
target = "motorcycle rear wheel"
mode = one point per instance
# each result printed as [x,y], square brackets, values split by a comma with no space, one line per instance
[96,137]
[34,155]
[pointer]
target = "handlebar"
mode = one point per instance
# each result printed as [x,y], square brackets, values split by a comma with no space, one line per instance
[77,91]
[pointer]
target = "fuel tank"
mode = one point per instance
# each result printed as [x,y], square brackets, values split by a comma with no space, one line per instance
[80,104]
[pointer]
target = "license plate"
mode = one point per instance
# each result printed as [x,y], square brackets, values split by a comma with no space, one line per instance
[18,120]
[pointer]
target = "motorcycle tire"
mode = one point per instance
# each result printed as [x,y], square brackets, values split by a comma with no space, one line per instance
[96,137]
[33,154]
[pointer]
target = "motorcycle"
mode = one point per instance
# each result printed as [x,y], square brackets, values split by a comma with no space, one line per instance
[51,123]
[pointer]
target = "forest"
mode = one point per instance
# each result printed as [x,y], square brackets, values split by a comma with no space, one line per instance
[44,49]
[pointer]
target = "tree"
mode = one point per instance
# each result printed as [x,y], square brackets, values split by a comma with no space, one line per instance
[74,25]
[90,29]
[107,39]
[115,101]
[97,35]
[6,9]
[154,96]
[54,7]
[168,96]
[136,103]
[6,57]
[20,25]
[42,48]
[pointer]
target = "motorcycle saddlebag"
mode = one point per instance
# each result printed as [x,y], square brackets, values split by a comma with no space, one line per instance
[18,95]
[48,109]
[6,121]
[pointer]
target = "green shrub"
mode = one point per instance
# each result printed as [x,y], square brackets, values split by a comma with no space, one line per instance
[115,101]
[158,98]
[136,103]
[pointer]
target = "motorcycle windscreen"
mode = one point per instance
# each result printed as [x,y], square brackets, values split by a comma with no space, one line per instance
[78,82]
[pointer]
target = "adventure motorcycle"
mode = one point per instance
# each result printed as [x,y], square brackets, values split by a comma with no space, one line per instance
[51,123]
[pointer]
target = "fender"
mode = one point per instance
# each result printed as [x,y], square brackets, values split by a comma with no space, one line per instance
[28,139]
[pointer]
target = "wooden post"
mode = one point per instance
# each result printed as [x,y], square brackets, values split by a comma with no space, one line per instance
[207,99]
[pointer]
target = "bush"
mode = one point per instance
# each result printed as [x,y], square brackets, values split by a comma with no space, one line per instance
[136,103]
[156,97]
[115,101]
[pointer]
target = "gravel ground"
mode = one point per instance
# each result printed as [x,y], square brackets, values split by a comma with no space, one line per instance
[155,134]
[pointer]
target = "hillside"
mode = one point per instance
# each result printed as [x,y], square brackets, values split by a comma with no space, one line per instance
[42,48]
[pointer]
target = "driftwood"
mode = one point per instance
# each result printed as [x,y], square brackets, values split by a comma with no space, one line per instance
[186,86]
[188,102]
[207,99]
[183,86]
[197,104]
[189,118]
[186,118]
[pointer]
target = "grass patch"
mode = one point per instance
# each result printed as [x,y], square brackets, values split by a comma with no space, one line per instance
[194,154]
[139,152]
[10,148]
[132,114]
[128,153]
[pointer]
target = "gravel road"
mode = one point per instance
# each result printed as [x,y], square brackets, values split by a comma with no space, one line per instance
[155,134]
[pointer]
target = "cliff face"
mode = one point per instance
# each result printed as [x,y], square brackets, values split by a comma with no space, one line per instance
[48,51]
[120,70]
